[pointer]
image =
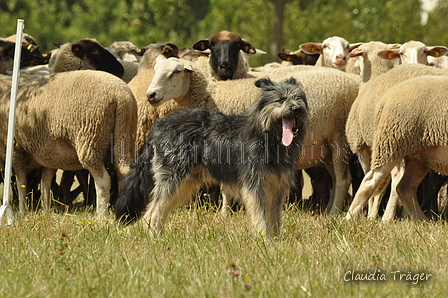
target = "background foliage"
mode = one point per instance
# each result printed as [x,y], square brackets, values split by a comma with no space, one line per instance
[186,21]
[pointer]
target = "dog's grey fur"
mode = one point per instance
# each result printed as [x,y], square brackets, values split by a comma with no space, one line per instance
[245,153]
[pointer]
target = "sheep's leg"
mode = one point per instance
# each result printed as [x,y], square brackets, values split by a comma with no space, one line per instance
[414,174]
[396,175]
[341,183]
[374,202]
[21,189]
[45,184]
[368,186]
[102,186]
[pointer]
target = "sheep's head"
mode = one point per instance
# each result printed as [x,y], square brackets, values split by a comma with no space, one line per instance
[413,52]
[333,49]
[171,81]
[225,47]
[28,58]
[298,57]
[98,56]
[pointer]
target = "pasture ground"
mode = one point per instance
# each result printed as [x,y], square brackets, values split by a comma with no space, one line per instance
[203,254]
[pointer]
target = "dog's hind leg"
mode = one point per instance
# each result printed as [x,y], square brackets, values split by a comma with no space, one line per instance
[166,195]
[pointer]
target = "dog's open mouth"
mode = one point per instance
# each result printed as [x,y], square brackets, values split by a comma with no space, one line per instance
[289,130]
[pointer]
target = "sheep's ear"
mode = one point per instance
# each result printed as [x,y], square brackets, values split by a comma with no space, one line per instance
[389,54]
[201,45]
[285,57]
[168,51]
[160,58]
[247,47]
[58,45]
[264,83]
[78,50]
[355,53]
[189,67]
[311,48]
[437,51]
[353,46]
[137,51]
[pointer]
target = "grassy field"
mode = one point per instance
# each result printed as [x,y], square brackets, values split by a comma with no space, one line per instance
[203,254]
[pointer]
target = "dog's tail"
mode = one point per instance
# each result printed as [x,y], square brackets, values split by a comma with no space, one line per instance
[137,186]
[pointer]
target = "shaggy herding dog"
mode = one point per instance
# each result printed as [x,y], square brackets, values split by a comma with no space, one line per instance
[253,154]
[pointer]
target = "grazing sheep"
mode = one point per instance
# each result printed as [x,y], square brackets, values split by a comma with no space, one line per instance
[330,94]
[412,125]
[147,114]
[72,121]
[333,50]
[360,125]
[226,60]
[86,54]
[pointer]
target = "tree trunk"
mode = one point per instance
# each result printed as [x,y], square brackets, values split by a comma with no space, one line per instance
[277,38]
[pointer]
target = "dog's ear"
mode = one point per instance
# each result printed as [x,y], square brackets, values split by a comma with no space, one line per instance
[264,83]
[291,81]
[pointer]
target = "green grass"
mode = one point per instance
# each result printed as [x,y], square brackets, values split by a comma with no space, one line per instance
[203,254]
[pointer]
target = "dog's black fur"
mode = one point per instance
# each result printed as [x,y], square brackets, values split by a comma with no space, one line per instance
[245,153]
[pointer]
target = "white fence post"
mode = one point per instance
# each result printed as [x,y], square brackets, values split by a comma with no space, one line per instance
[6,213]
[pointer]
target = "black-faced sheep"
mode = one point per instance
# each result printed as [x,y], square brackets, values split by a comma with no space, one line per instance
[27,58]
[86,54]
[225,61]
[298,57]
[72,121]
[330,94]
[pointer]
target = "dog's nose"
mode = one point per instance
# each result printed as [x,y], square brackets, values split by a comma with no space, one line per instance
[298,110]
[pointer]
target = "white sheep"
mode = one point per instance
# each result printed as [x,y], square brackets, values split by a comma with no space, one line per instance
[329,92]
[376,58]
[412,125]
[413,52]
[147,114]
[72,121]
[333,50]
[360,126]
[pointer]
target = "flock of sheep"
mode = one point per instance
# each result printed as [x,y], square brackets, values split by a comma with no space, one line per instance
[377,105]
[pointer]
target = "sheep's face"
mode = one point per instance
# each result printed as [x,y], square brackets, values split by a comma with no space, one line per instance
[171,81]
[333,49]
[225,47]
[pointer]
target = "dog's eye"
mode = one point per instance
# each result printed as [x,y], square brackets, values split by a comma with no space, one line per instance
[280,99]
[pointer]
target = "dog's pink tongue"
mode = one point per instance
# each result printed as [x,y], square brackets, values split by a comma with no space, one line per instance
[287,135]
